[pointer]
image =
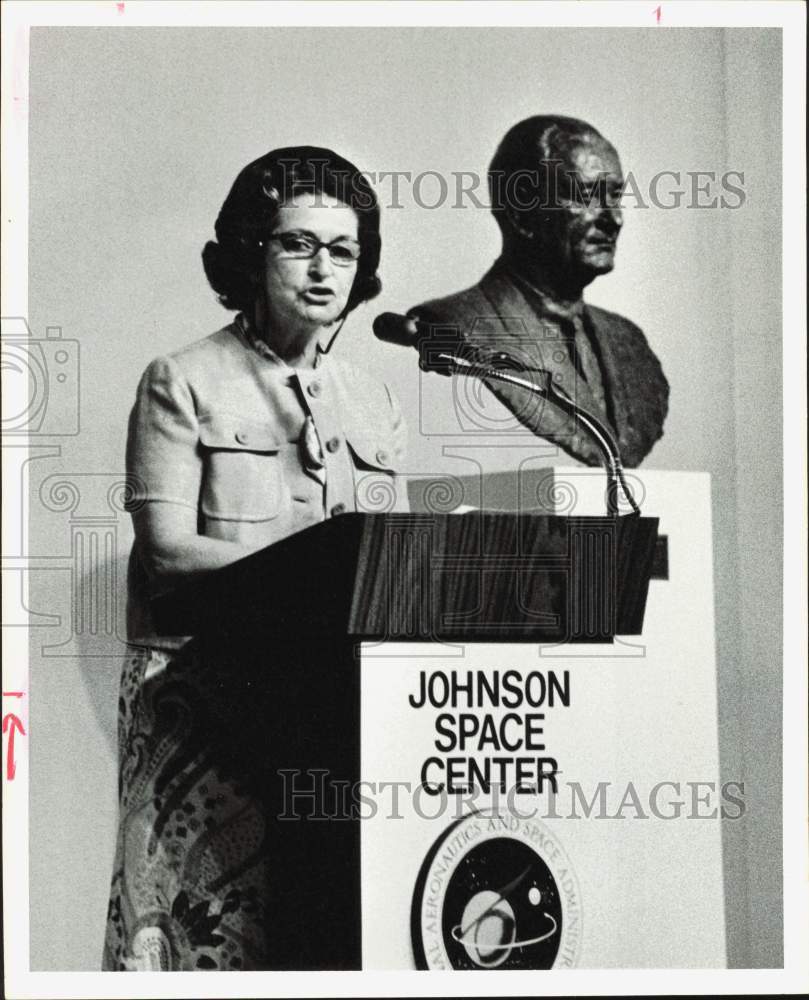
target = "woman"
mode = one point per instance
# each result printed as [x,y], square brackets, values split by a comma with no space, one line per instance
[235,442]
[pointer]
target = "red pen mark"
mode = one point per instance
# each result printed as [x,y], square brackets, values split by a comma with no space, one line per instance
[10,725]
[658,11]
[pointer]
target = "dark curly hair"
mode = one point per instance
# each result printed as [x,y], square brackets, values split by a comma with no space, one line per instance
[249,214]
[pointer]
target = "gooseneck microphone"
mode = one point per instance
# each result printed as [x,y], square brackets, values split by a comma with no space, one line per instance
[439,345]
[442,349]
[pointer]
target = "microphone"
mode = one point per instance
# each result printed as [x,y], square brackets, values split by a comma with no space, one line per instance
[442,349]
[401,330]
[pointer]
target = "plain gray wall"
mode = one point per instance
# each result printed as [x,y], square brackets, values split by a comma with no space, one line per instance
[135,137]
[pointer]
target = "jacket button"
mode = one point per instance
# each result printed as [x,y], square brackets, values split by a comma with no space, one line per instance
[338,508]
[314,389]
[333,444]
[382,457]
[242,437]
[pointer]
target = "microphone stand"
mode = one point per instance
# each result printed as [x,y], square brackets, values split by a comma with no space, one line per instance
[556,395]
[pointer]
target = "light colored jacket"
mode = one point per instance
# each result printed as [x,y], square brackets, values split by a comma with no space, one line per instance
[221,429]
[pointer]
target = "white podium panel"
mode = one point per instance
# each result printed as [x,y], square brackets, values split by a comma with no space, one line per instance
[614,860]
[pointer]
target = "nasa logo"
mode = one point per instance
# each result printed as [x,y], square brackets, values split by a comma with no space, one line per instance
[496,891]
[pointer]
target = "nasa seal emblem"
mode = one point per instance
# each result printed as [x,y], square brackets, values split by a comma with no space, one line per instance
[496,891]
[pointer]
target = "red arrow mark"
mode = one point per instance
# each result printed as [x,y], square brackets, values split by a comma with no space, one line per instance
[10,724]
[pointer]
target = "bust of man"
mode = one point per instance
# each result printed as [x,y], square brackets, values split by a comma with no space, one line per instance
[555,185]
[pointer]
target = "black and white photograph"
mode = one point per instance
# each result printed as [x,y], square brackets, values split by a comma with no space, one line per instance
[404,499]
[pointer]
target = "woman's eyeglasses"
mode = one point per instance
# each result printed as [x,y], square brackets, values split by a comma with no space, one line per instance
[342,252]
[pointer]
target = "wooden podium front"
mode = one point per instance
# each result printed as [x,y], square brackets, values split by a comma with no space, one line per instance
[600,696]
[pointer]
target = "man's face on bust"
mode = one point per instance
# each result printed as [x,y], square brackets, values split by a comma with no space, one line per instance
[578,232]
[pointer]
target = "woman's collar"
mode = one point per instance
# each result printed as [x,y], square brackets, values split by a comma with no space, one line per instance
[261,347]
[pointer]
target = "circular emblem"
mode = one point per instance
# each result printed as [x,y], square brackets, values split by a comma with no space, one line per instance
[496,891]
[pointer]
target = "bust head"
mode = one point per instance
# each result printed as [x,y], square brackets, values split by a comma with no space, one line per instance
[555,185]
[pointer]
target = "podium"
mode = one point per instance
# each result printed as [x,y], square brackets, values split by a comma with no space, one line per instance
[405,577]
[348,654]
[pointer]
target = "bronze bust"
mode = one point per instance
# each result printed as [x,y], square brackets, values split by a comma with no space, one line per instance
[555,185]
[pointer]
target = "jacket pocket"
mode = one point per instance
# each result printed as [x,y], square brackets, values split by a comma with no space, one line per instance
[242,479]
[372,451]
[375,467]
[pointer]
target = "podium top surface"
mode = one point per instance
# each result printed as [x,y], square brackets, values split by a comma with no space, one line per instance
[423,577]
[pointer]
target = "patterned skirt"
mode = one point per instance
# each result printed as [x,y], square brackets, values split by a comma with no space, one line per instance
[189,886]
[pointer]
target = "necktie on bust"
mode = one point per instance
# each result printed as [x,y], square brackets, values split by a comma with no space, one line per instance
[569,318]
[571,321]
[585,360]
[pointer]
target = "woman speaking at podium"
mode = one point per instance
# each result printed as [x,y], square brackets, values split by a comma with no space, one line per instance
[235,442]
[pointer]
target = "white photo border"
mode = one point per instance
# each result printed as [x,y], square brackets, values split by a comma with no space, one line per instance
[18,18]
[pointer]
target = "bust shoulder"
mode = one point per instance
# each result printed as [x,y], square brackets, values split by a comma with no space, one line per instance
[605,319]
[627,342]
[459,308]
